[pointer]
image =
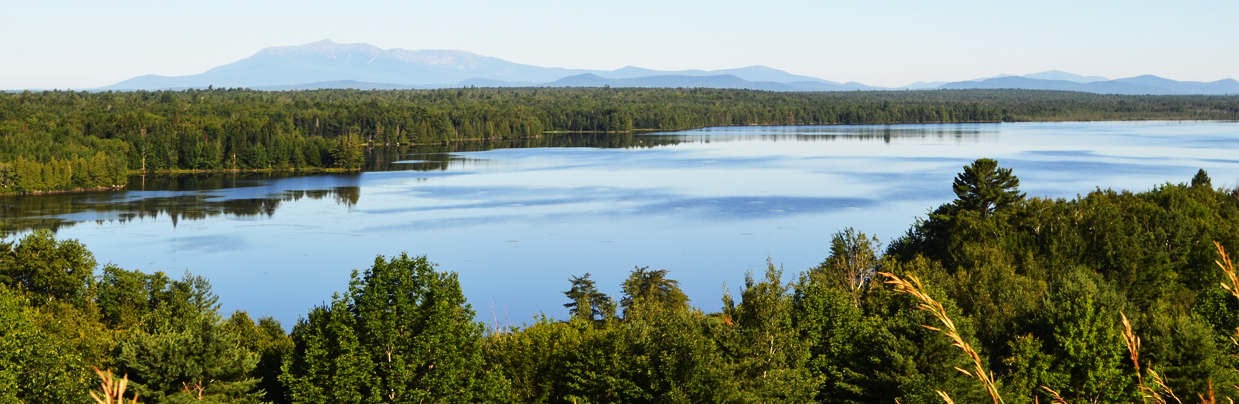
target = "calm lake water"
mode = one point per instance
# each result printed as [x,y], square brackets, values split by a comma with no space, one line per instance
[517,219]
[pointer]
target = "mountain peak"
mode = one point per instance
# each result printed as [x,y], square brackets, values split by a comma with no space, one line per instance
[324,47]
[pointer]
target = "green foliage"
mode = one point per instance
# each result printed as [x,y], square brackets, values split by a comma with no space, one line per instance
[1084,342]
[853,263]
[1046,279]
[763,344]
[185,352]
[61,321]
[45,268]
[403,333]
[651,291]
[1201,180]
[879,351]
[35,367]
[64,140]
[984,187]
[347,153]
[1037,285]
[267,340]
[587,302]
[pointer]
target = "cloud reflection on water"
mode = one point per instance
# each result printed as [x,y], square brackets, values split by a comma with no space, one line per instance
[516,218]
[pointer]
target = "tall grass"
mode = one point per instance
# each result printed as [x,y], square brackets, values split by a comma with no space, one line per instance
[912,286]
[1152,385]
[1154,388]
[111,390]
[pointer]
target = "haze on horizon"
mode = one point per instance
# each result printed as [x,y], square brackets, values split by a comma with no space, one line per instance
[81,44]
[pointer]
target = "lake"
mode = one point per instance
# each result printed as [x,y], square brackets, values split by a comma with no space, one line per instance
[517,219]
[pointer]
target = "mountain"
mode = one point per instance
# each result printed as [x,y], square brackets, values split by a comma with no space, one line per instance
[1064,76]
[327,61]
[751,73]
[334,64]
[1142,85]
[339,84]
[326,64]
[922,85]
[712,81]
[1227,86]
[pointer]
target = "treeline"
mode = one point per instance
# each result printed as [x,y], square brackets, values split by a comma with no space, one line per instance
[1112,297]
[235,129]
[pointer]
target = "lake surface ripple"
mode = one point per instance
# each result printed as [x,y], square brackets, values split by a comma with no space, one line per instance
[517,218]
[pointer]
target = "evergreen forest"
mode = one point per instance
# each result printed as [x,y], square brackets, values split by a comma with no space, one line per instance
[64,140]
[1110,297]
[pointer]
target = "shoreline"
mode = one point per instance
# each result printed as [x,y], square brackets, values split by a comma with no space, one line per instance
[65,191]
[315,170]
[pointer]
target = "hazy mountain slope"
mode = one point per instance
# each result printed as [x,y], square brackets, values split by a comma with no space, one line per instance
[751,73]
[326,64]
[1102,87]
[329,62]
[339,84]
[1227,86]
[683,81]
[1064,76]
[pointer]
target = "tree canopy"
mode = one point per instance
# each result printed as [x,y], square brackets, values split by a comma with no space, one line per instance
[1049,296]
[65,140]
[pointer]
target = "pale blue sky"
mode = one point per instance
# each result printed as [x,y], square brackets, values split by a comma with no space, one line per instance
[82,44]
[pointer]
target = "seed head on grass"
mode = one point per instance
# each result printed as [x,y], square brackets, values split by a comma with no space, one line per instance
[1158,385]
[912,286]
[1156,390]
[1232,281]
[1133,346]
[1056,399]
[112,391]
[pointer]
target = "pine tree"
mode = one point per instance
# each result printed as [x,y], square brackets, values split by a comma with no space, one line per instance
[985,188]
[183,351]
[587,302]
[652,288]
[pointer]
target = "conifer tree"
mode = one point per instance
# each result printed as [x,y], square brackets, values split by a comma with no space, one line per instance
[587,302]
[984,187]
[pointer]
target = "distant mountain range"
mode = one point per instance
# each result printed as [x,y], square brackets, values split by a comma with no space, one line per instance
[326,64]
[1134,85]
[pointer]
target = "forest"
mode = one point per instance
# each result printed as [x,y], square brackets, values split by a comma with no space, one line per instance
[64,140]
[1110,297]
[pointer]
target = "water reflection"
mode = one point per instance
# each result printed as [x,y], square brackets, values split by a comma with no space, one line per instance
[441,157]
[201,196]
[516,218]
[20,213]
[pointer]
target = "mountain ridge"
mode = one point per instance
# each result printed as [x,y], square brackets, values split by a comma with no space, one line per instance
[327,64]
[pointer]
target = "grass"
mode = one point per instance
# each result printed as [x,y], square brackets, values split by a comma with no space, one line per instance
[1153,389]
[111,390]
[912,286]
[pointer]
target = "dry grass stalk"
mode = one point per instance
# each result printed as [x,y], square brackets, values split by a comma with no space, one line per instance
[1158,385]
[1057,398]
[1151,391]
[1229,269]
[112,391]
[1133,346]
[1211,399]
[912,286]
[945,397]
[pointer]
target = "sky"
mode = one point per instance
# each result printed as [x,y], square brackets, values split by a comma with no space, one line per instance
[85,44]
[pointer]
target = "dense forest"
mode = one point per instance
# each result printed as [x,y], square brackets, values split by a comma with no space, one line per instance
[63,140]
[1111,297]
